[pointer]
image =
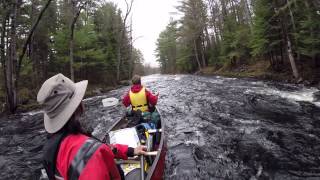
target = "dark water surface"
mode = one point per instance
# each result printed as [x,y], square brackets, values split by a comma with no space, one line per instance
[218,128]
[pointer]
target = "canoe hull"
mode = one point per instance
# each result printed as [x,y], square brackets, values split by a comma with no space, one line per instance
[159,168]
[156,171]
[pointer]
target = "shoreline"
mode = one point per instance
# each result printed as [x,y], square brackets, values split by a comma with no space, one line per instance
[260,71]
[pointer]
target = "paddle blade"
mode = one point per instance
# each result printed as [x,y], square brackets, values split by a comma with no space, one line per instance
[110,102]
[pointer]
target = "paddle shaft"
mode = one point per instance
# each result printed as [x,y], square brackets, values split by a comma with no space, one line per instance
[142,166]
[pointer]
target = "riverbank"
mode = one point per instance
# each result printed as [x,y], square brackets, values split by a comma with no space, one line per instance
[262,70]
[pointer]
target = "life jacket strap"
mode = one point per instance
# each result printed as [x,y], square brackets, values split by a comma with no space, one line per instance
[50,150]
[140,106]
[82,157]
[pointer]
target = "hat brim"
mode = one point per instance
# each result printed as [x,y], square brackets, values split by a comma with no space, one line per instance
[55,124]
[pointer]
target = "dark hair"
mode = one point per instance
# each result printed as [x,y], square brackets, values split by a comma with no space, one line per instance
[136,79]
[73,126]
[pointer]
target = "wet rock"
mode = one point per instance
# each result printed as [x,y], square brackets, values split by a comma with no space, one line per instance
[3,162]
[316,96]
[300,80]
[97,91]
[307,83]
[125,83]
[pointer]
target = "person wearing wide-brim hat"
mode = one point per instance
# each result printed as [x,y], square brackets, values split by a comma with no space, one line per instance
[70,152]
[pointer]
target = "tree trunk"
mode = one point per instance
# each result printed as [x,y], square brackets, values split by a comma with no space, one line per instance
[292,60]
[235,12]
[119,55]
[247,13]
[196,54]
[204,63]
[71,44]
[11,61]
[207,37]
[288,45]
[34,26]
[75,15]
[224,10]
[5,16]
[312,34]
[71,55]
[294,29]
[131,63]
[122,33]
[35,75]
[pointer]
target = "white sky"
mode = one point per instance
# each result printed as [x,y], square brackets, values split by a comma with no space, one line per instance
[149,17]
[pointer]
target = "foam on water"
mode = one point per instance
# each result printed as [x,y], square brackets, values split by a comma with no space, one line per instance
[305,94]
[177,78]
[243,121]
[150,78]
[32,113]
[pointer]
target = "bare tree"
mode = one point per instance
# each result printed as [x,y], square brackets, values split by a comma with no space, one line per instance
[4,42]
[196,54]
[131,63]
[77,6]
[291,58]
[31,32]
[121,35]
[11,59]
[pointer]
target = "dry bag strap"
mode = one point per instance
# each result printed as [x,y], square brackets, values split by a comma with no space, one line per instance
[80,160]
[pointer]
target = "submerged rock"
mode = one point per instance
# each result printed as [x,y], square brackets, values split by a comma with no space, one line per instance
[316,96]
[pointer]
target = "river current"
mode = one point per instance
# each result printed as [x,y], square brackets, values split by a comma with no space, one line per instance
[216,128]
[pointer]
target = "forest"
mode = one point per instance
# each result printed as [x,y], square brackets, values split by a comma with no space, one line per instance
[82,39]
[276,36]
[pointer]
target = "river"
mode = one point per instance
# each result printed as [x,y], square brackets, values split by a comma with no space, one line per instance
[217,128]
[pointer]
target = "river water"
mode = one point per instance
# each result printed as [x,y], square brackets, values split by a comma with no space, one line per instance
[217,128]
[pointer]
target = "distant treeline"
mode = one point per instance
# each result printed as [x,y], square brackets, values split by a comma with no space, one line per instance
[83,39]
[231,33]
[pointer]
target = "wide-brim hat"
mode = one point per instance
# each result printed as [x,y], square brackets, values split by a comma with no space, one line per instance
[60,98]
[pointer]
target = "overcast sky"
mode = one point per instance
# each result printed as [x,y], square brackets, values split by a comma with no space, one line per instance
[149,17]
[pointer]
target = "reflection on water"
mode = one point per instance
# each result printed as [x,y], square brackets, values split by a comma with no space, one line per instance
[218,128]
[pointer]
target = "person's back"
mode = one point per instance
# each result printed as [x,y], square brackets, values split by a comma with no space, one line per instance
[139,97]
[95,162]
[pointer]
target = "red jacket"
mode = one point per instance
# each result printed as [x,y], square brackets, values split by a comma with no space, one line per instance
[152,99]
[100,166]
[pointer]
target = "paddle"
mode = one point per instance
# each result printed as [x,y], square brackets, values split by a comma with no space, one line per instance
[142,166]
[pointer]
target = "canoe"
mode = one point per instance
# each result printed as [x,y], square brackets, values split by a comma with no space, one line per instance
[128,131]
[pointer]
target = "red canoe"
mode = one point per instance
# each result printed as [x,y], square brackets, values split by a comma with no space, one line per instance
[123,132]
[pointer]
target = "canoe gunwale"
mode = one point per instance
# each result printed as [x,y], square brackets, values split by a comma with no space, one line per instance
[160,149]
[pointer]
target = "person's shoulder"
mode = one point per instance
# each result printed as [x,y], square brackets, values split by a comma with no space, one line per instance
[75,139]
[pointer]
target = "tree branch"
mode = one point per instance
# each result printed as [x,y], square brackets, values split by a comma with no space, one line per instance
[129,7]
[81,6]
[29,37]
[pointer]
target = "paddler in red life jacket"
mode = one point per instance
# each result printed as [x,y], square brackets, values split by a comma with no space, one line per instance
[70,153]
[139,97]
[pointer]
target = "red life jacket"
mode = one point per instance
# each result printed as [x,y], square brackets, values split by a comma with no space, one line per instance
[50,151]
[72,157]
